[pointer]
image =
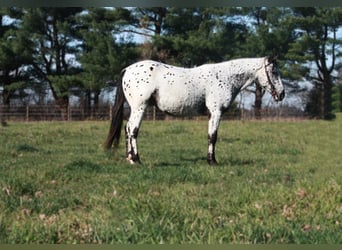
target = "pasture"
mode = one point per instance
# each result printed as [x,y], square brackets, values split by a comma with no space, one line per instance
[277,182]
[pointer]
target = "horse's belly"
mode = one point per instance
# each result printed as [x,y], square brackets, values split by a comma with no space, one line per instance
[183,105]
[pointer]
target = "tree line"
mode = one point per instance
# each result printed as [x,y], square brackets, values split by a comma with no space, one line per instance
[64,52]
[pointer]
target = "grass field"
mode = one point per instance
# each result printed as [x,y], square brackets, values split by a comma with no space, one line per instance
[277,182]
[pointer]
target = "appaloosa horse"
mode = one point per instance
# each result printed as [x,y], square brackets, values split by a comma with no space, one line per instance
[208,88]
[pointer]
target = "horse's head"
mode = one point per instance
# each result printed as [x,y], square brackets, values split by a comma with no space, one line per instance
[269,78]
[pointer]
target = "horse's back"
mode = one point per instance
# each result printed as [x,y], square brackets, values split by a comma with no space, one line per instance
[173,89]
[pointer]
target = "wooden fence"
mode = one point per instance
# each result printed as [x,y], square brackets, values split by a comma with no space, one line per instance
[53,113]
[103,112]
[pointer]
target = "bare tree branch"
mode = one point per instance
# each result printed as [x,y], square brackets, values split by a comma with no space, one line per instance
[137,32]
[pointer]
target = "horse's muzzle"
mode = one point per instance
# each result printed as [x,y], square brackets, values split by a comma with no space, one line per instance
[277,97]
[282,95]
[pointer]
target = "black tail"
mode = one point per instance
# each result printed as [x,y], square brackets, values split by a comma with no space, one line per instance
[113,137]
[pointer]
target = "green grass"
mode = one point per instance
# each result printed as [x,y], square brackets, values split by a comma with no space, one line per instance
[277,182]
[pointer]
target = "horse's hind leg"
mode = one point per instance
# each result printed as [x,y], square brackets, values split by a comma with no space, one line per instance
[132,130]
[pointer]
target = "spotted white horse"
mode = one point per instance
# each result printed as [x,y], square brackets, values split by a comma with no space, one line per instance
[208,88]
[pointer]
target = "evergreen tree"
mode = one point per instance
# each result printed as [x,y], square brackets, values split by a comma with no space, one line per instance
[15,55]
[53,32]
[317,43]
[102,56]
[268,35]
[194,36]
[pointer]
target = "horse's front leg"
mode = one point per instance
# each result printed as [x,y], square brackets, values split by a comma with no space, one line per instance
[214,121]
[132,130]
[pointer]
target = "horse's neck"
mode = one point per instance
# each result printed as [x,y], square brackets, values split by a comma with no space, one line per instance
[251,67]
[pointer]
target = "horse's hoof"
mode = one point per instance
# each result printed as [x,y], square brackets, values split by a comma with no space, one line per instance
[212,162]
[132,161]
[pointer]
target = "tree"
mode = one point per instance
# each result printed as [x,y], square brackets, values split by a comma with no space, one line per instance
[317,43]
[102,56]
[53,32]
[194,36]
[268,35]
[149,23]
[15,54]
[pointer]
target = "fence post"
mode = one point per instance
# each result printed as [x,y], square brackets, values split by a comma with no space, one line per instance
[27,112]
[69,112]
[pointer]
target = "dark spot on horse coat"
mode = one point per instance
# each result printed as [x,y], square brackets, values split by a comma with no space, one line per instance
[151,68]
[212,138]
